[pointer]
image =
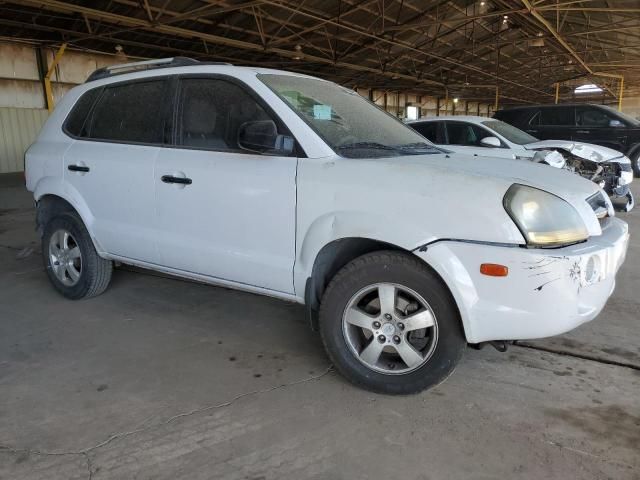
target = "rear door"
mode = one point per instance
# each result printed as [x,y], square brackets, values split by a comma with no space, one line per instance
[111,165]
[592,126]
[233,215]
[554,123]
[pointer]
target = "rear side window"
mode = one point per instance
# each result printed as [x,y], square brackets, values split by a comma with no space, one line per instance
[76,123]
[429,130]
[557,116]
[131,113]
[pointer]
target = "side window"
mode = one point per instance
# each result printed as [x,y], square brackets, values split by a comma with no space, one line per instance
[429,130]
[465,134]
[76,123]
[132,112]
[211,113]
[535,119]
[592,117]
[557,116]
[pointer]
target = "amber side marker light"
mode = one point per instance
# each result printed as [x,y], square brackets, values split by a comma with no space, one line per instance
[494,270]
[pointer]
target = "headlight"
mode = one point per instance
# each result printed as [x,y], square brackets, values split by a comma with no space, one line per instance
[544,219]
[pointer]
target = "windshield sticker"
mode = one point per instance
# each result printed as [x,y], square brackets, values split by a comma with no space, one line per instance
[322,112]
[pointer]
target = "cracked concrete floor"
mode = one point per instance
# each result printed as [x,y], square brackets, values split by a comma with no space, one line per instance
[164,379]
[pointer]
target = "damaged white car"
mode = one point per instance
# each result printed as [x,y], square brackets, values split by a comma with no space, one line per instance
[294,187]
[486,137]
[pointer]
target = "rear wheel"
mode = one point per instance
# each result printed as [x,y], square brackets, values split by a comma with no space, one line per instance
[74,267]
[389,324]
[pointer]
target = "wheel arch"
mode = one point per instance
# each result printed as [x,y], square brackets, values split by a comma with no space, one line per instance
[334,256]
[49,205]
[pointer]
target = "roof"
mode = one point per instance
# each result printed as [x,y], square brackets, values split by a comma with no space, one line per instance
[466,47]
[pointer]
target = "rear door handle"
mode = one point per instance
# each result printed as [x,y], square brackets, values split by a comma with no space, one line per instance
[78,168]
[583,131]
[172,179]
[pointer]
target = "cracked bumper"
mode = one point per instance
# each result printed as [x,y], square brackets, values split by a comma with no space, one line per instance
[547,292]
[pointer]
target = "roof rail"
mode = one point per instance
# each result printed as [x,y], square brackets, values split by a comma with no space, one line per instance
[112,70]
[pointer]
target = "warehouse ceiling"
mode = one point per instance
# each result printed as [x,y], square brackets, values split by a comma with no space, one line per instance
[463,48]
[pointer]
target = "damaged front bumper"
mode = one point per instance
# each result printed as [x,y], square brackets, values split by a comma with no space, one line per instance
[546,292]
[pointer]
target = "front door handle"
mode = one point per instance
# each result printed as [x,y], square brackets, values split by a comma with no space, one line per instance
[179,180]
[78,168]
[583,131]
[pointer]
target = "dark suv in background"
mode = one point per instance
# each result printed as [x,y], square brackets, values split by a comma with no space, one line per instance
[588,123]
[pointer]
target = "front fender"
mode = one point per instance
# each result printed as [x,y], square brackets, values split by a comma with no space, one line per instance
[353,224]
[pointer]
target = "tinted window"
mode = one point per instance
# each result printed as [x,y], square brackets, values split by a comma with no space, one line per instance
[466,134]
[428,130]
[76,123]
[211,112]
[592,117]
[557,116]
[131,112]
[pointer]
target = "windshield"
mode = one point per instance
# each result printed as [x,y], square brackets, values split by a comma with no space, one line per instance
[511,133]
[350,124]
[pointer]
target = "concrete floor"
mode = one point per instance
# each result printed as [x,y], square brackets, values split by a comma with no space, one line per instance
[165,379]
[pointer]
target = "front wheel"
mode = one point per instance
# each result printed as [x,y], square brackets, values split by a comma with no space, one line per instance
[71,260]
[390,325]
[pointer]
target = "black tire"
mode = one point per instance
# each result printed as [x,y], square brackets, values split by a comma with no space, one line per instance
[95,273]
[407,271]
[635,161]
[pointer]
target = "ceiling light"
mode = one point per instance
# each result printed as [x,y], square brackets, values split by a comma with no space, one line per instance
[589,88]
[455,100]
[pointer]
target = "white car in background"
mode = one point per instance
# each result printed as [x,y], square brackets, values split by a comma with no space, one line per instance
[294,187]
[487,137]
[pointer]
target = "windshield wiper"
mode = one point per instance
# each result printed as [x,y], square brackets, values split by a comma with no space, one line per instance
[369,145]
[417,146]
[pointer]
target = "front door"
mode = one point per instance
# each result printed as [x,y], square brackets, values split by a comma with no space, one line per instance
[593,125]
[223,211]
[464,137]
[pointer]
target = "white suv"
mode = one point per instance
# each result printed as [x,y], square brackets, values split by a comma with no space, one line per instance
[290,186]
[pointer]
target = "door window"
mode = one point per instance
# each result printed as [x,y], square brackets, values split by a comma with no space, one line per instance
[429,130]
[130,113]
[557,116]
[465,134]
[592,117]
[212,111]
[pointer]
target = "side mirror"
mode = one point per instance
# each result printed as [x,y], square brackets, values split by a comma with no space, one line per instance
[615,123]
[262,137]
[491,142]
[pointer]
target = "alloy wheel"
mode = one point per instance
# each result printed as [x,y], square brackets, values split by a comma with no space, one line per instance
[390,328]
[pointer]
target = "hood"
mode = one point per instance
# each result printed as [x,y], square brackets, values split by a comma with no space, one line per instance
[588,151]
[560,182]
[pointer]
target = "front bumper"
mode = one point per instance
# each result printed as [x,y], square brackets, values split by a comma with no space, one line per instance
[546,292]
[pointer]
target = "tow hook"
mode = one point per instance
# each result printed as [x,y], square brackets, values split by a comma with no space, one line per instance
[499,345]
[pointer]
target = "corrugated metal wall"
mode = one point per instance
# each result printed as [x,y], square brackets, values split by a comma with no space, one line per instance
[19,127]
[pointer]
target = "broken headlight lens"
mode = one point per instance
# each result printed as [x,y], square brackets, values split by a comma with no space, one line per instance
[544,219]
